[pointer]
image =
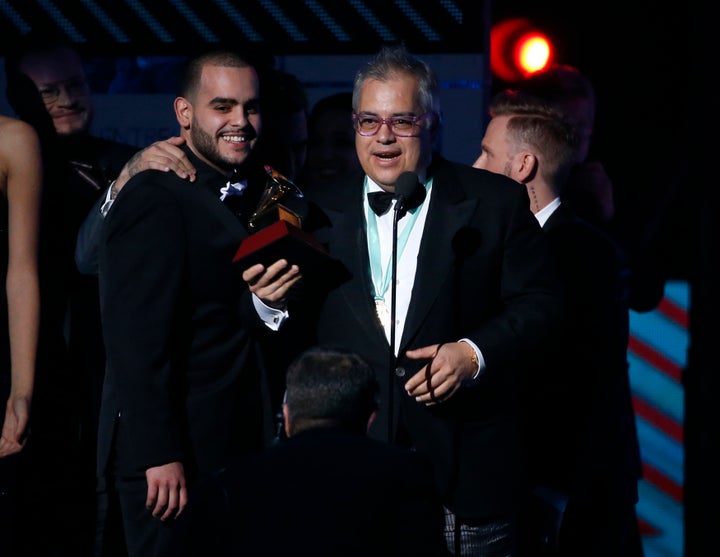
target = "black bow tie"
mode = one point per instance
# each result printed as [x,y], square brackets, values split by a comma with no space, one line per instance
[380,201]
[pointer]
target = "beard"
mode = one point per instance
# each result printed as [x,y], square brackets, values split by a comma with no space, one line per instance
[207,146]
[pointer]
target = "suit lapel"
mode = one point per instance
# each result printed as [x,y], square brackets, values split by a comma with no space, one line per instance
[449,211]
[350,243]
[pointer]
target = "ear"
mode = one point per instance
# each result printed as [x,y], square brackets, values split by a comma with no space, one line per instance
[183,112]
[371,420]
[286,419]
[525,166]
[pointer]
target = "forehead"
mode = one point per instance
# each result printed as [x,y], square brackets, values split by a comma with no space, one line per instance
[240,84]
[397,94]
[53,66]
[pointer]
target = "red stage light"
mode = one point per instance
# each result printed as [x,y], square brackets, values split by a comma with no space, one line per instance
[517,49]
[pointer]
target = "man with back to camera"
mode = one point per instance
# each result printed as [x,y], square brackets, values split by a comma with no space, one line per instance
[329,488]
[183,390]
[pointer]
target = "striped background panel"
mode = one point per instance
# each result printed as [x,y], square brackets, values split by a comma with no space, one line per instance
[657,353]
[132,27]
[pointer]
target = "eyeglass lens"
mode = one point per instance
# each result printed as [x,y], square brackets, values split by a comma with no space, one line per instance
[402,126]
[76,87]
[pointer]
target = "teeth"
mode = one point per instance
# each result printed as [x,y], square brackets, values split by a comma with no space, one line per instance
[234,138]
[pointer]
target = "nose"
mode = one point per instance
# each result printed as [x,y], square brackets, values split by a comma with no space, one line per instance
[65,97]
[239,117]
[385,133]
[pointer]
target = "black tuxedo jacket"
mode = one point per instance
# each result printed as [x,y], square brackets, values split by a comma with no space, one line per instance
[582,433]
[322,492]
[183,380]
[482,273]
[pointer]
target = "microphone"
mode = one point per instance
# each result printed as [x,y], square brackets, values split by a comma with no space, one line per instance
[409,192]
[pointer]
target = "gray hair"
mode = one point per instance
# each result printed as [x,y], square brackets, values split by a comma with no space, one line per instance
[393,60]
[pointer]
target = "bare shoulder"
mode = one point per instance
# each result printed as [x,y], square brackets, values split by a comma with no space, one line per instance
[19,149]
[15,133]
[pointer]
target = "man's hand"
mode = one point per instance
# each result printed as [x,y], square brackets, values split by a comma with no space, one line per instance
[162,155]
[167,494]
[272,284]
[450,364]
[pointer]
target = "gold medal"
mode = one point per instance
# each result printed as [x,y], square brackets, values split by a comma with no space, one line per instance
[383,314]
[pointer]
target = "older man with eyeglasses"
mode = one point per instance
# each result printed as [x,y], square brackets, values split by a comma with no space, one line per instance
[472,294]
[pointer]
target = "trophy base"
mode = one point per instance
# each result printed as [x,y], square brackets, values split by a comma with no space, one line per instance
[283,240]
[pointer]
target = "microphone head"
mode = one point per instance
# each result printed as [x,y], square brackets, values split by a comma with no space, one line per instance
[406,184]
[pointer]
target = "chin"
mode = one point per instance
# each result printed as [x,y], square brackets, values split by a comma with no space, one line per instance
[72,128]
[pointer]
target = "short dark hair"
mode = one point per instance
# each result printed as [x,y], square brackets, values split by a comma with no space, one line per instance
[282,93]
[332,387]
[36,42]
[336,101]
[190,78]
[558,84]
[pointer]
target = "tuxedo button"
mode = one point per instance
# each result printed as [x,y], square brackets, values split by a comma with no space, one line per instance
[399,371]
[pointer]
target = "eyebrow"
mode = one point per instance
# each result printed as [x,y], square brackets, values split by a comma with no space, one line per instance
[395,114]
[223,100]
[233,101]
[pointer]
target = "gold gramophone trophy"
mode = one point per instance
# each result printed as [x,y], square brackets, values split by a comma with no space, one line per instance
[276,230]
[281,200]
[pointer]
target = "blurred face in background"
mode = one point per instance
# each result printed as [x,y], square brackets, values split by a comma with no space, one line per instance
[331,146]
[60,78]
[287,147]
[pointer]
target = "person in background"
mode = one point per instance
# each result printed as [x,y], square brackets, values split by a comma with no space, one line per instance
[20,189]
[590,190]
[184,387]
[475,291]
[283,143]
[47,87]
[331,488]
[583,446]
[331,141]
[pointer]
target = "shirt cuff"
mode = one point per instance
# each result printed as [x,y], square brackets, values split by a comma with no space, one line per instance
[273,318]
[481,363]
[109,200]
